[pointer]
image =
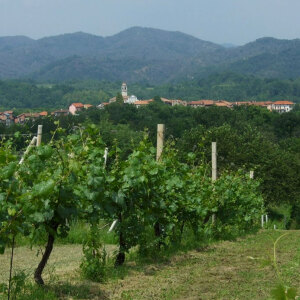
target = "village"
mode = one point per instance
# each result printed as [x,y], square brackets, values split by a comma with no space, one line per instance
[8,118]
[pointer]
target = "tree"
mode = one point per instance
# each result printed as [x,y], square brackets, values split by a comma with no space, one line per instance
[157,99]
[119,99]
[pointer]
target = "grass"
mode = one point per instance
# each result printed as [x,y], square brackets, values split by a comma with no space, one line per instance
[226,270]
[77,234]
[223,270]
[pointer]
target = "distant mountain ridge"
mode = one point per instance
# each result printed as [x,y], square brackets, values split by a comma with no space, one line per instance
[142,54]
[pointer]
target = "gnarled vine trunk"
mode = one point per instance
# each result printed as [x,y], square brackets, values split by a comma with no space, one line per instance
[120,259]
[158,233]
[39,270]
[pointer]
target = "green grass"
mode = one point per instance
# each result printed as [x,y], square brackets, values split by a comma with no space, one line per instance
[222,270]
[77,234]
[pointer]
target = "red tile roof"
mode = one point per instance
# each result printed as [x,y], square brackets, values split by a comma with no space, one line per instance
[43,114]
[77,104]
[143,102]
[284,102]
[202,102]
[221,104]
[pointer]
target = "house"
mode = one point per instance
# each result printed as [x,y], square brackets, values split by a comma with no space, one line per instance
[266,104]
[61,112]
[43,114]
[223,103]
[142,102]
[282,106]
[201,103]
[75,107]
[7,117]
[24,117]
[174,102]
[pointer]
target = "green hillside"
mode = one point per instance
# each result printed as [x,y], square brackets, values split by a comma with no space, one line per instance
[142,54]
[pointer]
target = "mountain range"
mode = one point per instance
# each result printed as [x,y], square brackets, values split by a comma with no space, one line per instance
[142,55]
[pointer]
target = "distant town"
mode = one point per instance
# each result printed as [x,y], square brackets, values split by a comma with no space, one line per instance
[8,118]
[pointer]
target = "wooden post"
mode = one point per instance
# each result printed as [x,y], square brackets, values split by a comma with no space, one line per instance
[160,140]
[159,149]
[214,161]
[113,225]
[213,170]
[39,135]
[251,174]
[32,143]
[267,219]
[105,157]
[262,221]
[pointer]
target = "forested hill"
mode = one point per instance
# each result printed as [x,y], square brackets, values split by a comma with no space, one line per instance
[142,55]
[82,55]
[220,86]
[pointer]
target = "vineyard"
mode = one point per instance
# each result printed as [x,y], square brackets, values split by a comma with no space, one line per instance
[151,200]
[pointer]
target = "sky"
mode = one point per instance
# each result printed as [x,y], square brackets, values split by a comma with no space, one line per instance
[219,21]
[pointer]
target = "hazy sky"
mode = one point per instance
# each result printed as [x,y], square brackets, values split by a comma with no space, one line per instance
[220,21]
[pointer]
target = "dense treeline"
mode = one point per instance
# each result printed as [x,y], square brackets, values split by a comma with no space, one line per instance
[225,86]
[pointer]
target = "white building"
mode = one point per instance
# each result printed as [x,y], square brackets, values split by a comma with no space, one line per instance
[282,106]
[130,100]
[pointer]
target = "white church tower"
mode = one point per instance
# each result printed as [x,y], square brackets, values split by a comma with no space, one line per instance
[124,89]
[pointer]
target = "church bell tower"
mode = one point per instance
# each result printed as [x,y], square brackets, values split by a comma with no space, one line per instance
[124,89]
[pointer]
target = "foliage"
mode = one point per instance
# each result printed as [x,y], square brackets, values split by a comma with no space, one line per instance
[94,258]
[66,180]
[239,205]
[245,147]
[23,288]
[119,98]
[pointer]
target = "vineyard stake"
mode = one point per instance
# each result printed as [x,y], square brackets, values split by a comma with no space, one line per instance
[113,225]
[160,140]
[39,135]
[251,174]
[214,161]
[105,157]
[32,143]
[159,149]
[213,169]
